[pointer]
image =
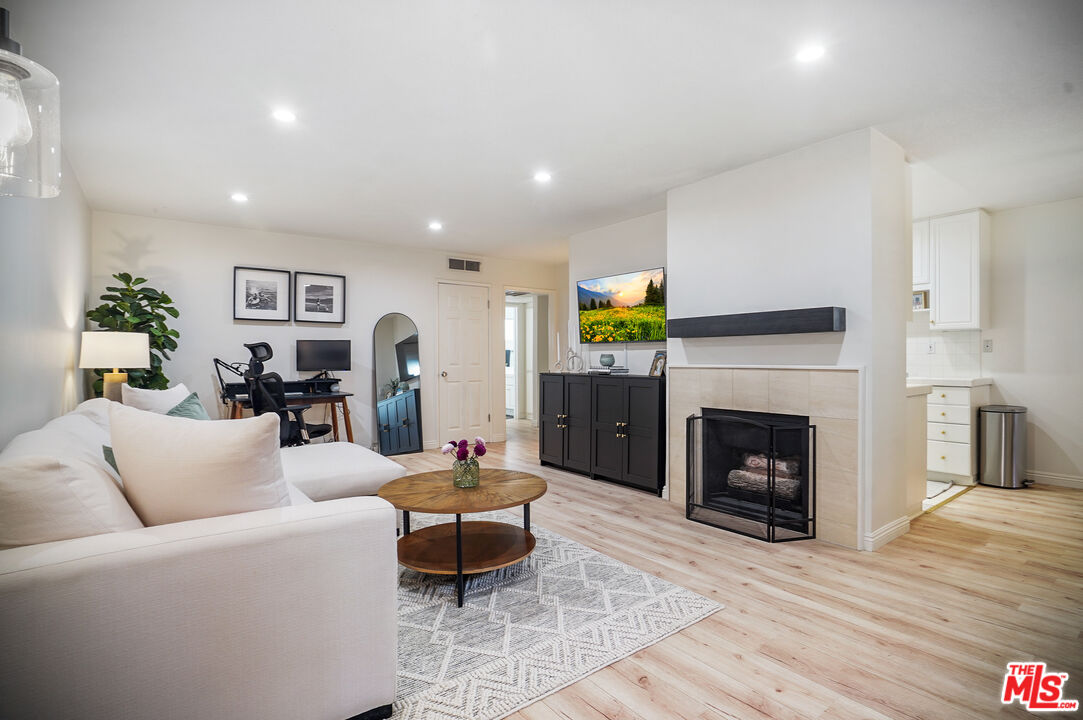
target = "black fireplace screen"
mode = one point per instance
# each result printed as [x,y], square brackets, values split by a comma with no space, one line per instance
[752,473]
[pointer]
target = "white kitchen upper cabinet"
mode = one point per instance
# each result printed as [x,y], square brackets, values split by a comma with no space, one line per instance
[959,255]
[922,271]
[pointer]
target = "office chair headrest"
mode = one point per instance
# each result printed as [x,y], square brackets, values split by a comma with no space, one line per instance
[261,352]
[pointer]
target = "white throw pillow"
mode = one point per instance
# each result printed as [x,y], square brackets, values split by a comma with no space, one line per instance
[177,469]
[159,401]
[75,436]
[43,499]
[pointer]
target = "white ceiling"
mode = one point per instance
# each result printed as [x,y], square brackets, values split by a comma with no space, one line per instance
[426,109]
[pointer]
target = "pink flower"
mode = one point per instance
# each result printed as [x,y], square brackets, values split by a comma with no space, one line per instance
[450,447]
[479,441]
[462,453]
[463,443]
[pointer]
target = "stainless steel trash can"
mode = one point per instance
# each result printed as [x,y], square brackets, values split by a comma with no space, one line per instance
[1002,445]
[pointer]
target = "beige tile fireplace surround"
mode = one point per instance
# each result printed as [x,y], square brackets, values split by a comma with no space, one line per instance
[830,397]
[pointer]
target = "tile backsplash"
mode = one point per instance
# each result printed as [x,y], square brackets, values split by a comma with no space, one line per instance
[956,353]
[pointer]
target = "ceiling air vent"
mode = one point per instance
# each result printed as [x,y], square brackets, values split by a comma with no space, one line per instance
[467,265]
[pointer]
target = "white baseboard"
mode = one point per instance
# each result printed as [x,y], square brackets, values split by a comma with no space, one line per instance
[499,437]
[887,533]
[1047,478]
[430,445]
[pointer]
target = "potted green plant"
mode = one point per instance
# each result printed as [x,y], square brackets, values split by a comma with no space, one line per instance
[133,307]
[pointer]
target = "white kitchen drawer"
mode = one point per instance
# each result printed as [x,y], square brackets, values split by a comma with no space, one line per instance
[950,395]
[948,457]
[954,414]
[948,433]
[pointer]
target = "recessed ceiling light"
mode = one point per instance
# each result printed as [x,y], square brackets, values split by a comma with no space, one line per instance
[436,225]
[543,176]
[809,53]
[239,197]
[284,115]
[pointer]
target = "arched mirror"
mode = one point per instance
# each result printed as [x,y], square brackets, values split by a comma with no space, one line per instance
[397,367]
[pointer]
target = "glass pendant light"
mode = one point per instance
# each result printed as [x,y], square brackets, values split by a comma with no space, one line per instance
[29,123]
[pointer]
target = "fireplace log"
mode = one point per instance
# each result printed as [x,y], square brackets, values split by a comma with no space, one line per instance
[751,480]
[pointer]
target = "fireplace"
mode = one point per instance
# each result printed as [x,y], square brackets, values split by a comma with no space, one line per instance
[752,473]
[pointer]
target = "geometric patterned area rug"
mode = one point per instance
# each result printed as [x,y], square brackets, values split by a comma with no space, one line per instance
[527,630]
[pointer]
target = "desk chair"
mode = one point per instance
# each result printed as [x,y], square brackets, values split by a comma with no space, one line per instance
[267,394]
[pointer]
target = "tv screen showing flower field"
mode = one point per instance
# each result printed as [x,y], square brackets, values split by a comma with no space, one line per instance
[623,308]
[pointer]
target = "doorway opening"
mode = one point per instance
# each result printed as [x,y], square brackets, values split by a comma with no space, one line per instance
[526,352]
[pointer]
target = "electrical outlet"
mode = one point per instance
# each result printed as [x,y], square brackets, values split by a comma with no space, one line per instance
[987,345]
[932,347]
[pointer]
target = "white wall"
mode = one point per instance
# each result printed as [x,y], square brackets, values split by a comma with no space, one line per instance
[824,225]
[636,244]
[1037,331]
[44,271]
[194,263]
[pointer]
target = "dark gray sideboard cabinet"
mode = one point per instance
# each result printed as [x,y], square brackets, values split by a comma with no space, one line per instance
[607,426]
[399,423]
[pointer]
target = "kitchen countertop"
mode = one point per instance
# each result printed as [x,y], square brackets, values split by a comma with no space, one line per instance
[917,390]
[950,382]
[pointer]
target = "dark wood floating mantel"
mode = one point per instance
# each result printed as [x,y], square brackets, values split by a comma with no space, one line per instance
[773,322]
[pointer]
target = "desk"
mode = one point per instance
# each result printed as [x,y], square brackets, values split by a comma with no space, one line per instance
[239,402]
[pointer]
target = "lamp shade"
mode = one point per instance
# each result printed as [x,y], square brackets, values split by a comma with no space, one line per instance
[115,350]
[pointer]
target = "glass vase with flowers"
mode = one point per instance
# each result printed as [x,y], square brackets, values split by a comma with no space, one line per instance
[465,471]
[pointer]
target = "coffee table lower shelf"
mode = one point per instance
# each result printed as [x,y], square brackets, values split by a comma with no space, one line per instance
[485,546]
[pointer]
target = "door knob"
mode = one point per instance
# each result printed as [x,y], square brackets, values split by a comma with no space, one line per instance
[443,374]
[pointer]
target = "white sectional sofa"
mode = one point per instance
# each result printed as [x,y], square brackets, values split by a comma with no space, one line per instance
[286,613]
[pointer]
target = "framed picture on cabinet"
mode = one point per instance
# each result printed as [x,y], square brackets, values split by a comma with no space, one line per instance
[658,366]
[920,300]
[319,298]
[261,294]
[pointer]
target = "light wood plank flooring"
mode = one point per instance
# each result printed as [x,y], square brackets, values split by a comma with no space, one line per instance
[921,629]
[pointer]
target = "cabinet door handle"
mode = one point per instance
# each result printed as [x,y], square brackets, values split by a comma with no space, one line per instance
[406,422]
[943,432]
[943,394]
[443,374]
[943,457]
[944,414]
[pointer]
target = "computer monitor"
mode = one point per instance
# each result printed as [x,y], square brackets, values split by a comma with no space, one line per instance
[323,355]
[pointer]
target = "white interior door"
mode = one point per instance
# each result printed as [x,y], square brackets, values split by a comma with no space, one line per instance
[464,362]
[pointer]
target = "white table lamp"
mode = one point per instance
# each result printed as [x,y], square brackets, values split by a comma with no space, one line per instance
[114,350]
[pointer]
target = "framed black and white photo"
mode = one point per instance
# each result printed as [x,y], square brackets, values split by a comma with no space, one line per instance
[261,294]
[658,366]
[319,298]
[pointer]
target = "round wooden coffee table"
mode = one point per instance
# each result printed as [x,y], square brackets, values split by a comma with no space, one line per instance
[464,547]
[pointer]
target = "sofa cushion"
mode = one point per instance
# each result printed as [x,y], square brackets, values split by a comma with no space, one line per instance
[178,469]
[328,471]
[79,435]
[45,498]
[189,407]
[296,496]
[159,401]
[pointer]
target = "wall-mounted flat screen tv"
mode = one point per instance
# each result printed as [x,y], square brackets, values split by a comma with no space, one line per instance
[623,308]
